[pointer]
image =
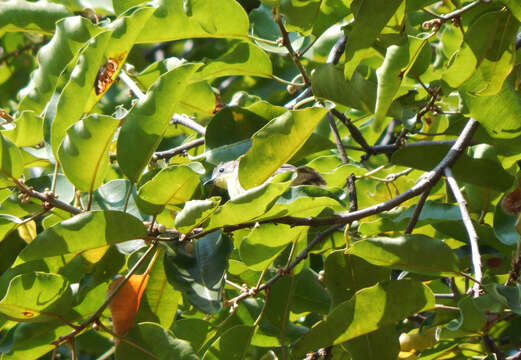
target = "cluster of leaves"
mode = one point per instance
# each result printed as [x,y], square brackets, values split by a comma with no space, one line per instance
[114,113]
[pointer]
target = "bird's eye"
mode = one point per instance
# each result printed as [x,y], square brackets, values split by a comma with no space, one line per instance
[221,170]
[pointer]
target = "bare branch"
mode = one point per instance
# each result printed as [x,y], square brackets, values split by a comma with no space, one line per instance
[338,140]
[178,150]
[473,236]
[417,211]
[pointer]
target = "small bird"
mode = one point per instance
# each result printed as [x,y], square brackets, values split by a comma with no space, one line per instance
[226,176]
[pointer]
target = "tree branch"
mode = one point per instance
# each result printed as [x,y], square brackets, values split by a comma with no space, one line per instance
[473,236]
[338,140]
[426,182]
[48,200]
[178,150]
[417,211]
[287,44]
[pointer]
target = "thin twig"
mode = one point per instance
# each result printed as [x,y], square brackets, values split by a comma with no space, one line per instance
[94,317]
[417,211]
[351,190]
[178,150]
[287,44]
[353,130]
[427,181]
[455,13]
[44,198]
[338,140]
[473,236]
[108,353]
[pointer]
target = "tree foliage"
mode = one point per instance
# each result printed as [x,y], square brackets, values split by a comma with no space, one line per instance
[114,114]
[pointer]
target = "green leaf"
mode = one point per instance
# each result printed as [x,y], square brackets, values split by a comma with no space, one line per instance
[89,230]
[36,296]
[122,5]
[328,82]
[171,186]
[488,47]
[195,212]
[505,225]
[84,151]
[300,15]
[7,224]
[39,16]
[233,344]
[244,58]
[248,206]
[415,253]
[303,201]
[159,302]
[390,76]
[112,195]
[199,273]
[276,143]
[239,124]
[151,341]
[11,162]
[32,340]
[113,44]
[192,330]
[345,274]
[184,19]
[310,294]
[370,309]
[72,102]
[263,244]
[275,321]
[381,344]
[368,24]
[514,7]
[483,172]
[330,12]
[149,119]
[70,35]
[504,105]
[28,130]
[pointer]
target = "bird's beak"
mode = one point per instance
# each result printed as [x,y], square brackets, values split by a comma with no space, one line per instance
[209,181]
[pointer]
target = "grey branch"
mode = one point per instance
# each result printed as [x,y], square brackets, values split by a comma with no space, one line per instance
[473,236]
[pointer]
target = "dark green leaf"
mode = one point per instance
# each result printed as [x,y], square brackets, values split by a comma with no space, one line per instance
[198,271]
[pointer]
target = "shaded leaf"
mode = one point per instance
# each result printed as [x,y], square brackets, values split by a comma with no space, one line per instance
[151,341]
[345,274]
[416,253]
[198,271]
[370,309]
[233,344]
